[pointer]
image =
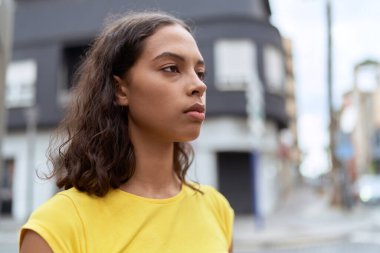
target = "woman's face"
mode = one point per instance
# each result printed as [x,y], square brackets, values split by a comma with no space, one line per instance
[164,89]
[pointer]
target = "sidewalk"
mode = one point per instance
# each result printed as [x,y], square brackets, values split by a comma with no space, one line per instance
[305,219]
[8,235]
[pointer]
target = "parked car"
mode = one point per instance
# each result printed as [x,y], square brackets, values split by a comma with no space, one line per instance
[367,189]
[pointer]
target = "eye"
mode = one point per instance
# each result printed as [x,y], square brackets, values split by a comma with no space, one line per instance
[171,69]
[201,75]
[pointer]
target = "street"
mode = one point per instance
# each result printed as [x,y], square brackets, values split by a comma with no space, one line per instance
[308,223]
[366,240]
[330,248]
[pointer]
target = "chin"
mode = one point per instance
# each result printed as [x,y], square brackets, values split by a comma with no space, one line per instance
[189,136]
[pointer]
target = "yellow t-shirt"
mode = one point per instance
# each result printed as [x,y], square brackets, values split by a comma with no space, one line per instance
[74,222]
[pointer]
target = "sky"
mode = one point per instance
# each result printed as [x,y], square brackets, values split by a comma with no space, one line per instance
[355,38]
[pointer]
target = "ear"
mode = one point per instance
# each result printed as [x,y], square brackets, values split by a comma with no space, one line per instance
[121,95]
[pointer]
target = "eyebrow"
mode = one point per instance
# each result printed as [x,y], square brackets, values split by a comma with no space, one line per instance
[175,56]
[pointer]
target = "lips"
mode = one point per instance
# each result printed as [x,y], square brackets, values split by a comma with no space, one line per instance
[196,108]
[196,111]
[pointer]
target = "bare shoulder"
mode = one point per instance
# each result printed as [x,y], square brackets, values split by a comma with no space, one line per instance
[33,243]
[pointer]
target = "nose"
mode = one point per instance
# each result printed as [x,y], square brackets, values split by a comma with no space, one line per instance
[197,87]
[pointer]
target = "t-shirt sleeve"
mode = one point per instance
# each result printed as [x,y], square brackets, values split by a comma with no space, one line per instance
[59,224]
[226,213]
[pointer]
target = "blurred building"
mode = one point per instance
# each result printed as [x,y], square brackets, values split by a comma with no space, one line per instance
[289,149]
[360,122]
[239,149]
[6,172]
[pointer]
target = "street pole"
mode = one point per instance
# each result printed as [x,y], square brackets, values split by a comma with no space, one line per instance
[329,69]
[336,170]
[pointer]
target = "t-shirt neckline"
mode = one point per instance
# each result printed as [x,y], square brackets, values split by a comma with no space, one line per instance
[172,199]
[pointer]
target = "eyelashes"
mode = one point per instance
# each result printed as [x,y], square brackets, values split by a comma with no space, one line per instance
[171,69]
[175,69]
[202,75]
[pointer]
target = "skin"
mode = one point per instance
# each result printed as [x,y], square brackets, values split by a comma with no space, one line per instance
[33,243]
[165,81]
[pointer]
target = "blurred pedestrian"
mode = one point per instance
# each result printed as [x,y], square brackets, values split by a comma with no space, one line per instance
[139,97]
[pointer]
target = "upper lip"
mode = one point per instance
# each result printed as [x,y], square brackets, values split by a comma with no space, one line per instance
[196,108]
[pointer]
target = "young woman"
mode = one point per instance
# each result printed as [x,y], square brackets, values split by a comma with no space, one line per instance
[139,97]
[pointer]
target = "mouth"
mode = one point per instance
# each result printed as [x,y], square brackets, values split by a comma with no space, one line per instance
[196,111]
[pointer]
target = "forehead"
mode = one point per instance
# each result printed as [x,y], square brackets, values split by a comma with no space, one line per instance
[171,38]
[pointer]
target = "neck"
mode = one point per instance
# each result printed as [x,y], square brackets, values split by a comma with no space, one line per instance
[154,175]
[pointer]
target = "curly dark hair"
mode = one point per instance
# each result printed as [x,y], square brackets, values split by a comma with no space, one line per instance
[94,152]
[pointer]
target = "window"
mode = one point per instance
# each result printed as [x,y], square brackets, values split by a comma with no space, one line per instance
[274,69]
[20,88]
[235,64]
[72,58]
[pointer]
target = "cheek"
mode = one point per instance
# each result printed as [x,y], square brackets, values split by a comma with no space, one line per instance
[150,108]
[153,98]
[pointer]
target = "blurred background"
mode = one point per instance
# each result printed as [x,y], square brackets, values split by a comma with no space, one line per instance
[292,136]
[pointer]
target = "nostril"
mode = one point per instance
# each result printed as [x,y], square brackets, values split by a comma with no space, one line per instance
[195,92]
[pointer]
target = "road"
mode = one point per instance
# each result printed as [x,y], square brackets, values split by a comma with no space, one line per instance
[366,240]
[331,248]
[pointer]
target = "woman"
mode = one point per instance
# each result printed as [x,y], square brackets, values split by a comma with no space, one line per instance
[139,98]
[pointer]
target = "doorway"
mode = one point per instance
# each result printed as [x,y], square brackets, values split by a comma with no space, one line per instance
[6,186]
[236,180]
